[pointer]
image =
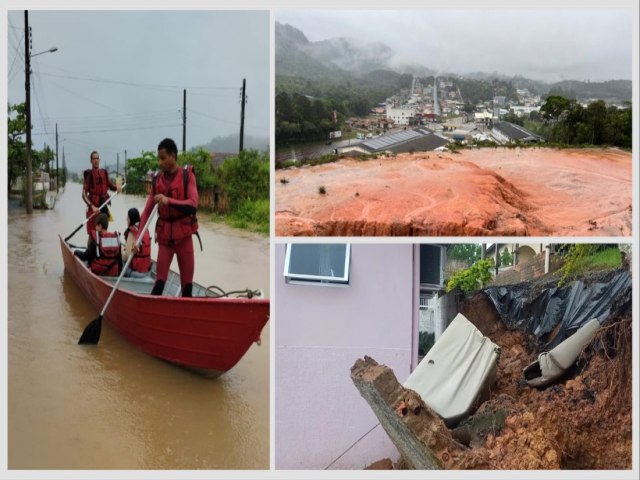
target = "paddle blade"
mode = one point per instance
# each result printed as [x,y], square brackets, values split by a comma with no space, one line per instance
[91,334]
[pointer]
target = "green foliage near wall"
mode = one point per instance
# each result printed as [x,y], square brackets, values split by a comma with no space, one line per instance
[583,257]
[473,278]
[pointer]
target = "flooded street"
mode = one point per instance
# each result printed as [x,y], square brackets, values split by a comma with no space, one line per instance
[112,406]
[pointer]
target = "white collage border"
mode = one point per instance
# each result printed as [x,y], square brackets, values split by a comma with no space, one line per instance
[275,5]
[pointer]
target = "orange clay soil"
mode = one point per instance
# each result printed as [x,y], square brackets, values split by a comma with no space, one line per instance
[501,192]
[581,422]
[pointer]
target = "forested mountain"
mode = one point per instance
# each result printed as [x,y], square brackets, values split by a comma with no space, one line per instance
[296,55]
[612,89]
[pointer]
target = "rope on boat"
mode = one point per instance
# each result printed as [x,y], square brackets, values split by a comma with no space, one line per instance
[214,291]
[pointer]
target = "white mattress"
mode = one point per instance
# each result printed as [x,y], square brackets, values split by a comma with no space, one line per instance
[455,371]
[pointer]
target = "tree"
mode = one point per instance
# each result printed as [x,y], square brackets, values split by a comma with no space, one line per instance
[466,252]
[506,258]
[202,163]
[16,148]
[553,107]
[246,177]
[137,169]
[596,118]
[513,118]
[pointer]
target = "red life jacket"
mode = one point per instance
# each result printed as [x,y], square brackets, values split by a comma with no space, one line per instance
[141,261]
[107,253]
[173,226]
[97,186]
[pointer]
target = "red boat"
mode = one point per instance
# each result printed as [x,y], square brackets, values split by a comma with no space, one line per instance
[203,333]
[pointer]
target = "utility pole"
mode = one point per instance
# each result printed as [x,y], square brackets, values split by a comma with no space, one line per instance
[27,86]
[125,163]
[27,104]
[243,101]
[117,164]
[184,120]
[64,166]
[57,164]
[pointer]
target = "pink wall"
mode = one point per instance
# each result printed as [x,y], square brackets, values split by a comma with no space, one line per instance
[320,332]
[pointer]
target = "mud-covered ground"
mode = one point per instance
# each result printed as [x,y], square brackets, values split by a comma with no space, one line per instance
[582,422]
[502,192]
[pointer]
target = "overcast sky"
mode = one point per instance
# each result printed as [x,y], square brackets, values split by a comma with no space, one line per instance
[116,82]
[547,45]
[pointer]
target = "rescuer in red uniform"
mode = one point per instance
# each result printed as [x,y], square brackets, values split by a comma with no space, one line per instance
[174,190]
[94,190]
[141,262]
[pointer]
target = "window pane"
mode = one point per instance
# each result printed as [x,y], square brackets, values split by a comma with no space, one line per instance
[326,260]
[430,264]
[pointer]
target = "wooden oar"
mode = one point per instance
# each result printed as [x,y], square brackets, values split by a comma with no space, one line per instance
[93,214]
[91,334]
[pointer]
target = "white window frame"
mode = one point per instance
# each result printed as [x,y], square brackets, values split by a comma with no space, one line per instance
[318,280]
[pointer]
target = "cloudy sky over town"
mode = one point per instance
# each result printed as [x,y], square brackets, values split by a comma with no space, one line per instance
[548,45]
[116,82]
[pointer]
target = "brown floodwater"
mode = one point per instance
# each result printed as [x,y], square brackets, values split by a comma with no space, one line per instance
[111,406]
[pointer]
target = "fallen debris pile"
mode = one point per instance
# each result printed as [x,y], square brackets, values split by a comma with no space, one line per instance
[582,421]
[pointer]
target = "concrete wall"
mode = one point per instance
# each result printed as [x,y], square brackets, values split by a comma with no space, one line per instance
[320,332]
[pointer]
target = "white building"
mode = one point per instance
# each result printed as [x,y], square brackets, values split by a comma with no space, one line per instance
[402,114]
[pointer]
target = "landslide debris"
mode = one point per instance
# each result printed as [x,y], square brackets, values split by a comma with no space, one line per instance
[583,421]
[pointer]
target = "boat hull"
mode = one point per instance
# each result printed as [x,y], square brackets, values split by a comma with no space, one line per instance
[209,335]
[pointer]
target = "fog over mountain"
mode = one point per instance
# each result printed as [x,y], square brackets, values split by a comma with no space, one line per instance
[544,45]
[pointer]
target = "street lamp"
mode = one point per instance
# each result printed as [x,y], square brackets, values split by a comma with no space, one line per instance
[52,49]
[27,85]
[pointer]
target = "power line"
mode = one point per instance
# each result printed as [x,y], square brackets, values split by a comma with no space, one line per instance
[82,96]
[36,95]
[253,127]
[84,118]
[134,84]
[214,118]
[150,127]
[15,56]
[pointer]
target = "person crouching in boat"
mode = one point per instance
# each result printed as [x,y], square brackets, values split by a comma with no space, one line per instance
[174,190]
[140,265]
[103,249]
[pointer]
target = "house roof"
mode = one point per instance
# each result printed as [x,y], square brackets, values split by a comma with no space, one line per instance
[516,132]
[420,139]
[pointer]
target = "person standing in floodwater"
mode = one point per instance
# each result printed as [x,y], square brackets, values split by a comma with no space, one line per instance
[174,190]
[94,190]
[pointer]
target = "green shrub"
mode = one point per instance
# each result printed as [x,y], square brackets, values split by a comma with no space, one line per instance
[252,215]
[472,278]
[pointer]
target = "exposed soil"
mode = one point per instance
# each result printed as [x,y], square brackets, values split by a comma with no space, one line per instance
[501,192]
[581,422]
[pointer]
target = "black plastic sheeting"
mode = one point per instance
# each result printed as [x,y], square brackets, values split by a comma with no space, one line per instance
[539,311]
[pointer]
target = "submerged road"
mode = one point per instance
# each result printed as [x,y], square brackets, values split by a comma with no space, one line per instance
[111,406]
